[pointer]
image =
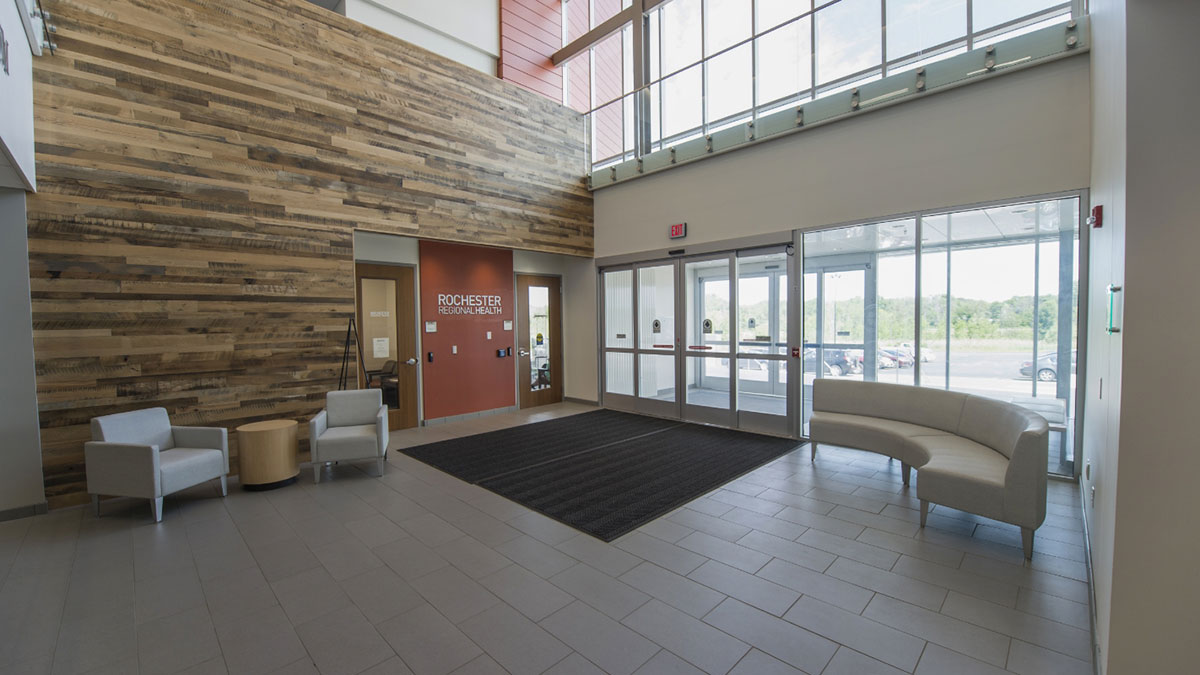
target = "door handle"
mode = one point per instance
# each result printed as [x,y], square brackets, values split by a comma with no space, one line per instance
[523,352]
[410,362]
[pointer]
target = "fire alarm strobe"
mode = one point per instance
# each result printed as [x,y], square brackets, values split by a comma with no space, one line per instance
[677,231]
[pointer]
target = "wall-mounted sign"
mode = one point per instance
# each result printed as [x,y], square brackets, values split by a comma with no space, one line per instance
[380,315]
[430,326]
[707,326]
[380,348]
[508,325]
[539,339]
[656,326]
[469,303]
[677,231]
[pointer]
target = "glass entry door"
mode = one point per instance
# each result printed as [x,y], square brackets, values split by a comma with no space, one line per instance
[703,339]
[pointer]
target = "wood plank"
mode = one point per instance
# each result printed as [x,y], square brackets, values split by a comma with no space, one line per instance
[202,166]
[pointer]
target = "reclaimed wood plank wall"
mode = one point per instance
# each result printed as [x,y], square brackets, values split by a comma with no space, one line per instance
[201,167]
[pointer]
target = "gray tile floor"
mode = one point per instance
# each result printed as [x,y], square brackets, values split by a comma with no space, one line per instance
[796,567]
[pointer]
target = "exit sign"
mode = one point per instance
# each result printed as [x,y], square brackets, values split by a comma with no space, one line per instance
[678,231]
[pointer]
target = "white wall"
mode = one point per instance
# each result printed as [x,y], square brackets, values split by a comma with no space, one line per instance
[467,31]
[1020,134]
[580,380]
[20,439]
[16,114]
[1155,591]
[1101,410]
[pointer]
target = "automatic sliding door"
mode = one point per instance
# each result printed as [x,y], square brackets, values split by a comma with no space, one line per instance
[656,354]
[618,364]
[762,401]
[707,341]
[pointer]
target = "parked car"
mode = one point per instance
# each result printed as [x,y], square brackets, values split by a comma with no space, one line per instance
[898,355]
[1047,366]
[838,362]
[884,360]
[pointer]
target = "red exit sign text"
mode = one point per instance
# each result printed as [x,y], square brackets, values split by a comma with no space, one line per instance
[678,231]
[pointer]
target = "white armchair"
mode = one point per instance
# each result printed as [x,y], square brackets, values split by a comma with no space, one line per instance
[139,454]
[352,426]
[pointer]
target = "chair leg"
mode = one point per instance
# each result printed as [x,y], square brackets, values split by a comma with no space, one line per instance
[316,472]
[1027,542]
[379,463]
[156,507]
[924,511]
[96,504]
[904,472]
[224,486]
[813,445]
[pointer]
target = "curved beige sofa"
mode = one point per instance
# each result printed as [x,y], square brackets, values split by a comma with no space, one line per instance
[971,453]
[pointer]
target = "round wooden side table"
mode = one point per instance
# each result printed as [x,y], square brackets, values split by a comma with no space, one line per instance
[267,454]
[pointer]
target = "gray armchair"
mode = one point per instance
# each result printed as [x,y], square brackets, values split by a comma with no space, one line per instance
[139,454]
[352,426]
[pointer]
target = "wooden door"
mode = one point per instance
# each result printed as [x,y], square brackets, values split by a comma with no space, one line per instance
[539,340]
[387,328]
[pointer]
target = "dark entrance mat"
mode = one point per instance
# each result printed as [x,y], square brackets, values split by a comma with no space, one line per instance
[482,456]
[610,488]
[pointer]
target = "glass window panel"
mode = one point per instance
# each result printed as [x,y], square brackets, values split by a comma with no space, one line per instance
[917,25]
[988,13]
[680,34]
[762,303]
[603,10]
[843,307]
[729,83]
[707,381]
[1052,21]
[895,302]
[756,389]
[577,18]
[627,117]
[707,297]
[754,313]
[849,37]
[618,373]
[608,69]
[784,61]
[726,22]
[656,376]
[849,85]
[781,321]
[653,34]
[627,60]
[934,256]
[656,307]
[771,13]
[608,131]
[618,309]
[682,107]
[579,84]
[540,343]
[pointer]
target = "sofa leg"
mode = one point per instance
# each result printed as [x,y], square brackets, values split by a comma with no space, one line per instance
[156,507]
[904,469]
[379,464]
[924,511]
[96,504]
[813,445]
[224,486]
[1027,542]
[316,472]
